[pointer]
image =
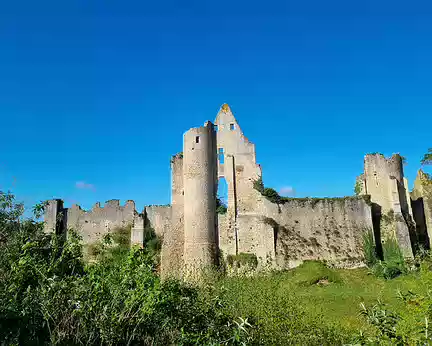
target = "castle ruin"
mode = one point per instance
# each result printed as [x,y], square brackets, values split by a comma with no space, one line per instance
[278,235]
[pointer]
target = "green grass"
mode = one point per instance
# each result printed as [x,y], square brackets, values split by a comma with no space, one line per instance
[314,304]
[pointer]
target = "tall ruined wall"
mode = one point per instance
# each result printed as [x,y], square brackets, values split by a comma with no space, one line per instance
[237,164]
[256,235]
[388,190]
[239,168]
[291,232]
[54,216]
[379,175]
[329,229]
[173,238]
[159,218]
[305,229]
[92,225]
[422,207]
[199,179]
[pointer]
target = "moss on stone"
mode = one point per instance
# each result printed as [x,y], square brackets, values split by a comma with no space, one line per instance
[243,259]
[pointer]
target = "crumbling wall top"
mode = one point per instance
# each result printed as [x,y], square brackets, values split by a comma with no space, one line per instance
[113,204]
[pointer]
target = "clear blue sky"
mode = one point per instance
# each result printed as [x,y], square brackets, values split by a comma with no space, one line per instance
[95,95]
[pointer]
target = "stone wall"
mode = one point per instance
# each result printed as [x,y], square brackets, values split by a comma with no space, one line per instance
[173,239]
[239,167]
[282,236]
[422,207]
[54,216]
[319,228]
[379,175]
[256,236]
[159,218]
[388,190]
[93,224]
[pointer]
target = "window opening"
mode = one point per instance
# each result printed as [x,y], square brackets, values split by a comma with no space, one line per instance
[221,156]
[222,195]
[197,139]
[232,127]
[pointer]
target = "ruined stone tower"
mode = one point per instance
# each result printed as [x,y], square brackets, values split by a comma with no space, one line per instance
[385,183]
[422,207]
[53,216]
[173,240]
[199,181]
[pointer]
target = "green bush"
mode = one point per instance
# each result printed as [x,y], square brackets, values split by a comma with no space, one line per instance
[393,264]
[259,185]
[369,248]
[48,295]
[271,194]
[357,188]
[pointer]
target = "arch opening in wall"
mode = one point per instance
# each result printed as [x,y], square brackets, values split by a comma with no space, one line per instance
[222,195]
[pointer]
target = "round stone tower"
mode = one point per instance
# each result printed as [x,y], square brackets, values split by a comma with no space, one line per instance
[200,181]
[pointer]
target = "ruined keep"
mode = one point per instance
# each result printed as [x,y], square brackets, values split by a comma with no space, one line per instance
[274,233]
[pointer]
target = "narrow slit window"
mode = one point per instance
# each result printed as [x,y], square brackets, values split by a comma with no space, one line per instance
[221,156]
[197,139]
[232,127]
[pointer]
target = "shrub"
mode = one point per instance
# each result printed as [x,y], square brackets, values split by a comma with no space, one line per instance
[271,194]
[385,321]
[369,248]
[357,187]
[48,295]
[259,185]
[393,264]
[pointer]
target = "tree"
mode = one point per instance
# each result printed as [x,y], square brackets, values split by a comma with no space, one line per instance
[427,158]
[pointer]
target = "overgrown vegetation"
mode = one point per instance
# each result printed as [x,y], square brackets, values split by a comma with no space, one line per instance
[427,158]
[49,295]
[357,187]
[316,305]
[243,259]
[393,262]
[273,196]
[369,249]
[270,193]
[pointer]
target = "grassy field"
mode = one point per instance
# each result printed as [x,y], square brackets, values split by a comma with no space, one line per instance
[313,304]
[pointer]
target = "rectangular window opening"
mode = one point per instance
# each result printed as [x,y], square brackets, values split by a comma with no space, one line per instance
[221,156]
[216,128]
[197,139]
[232,127]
